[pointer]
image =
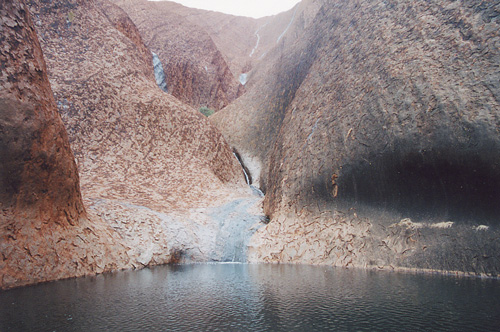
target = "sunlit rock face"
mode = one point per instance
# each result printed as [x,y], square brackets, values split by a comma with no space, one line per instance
[392,114]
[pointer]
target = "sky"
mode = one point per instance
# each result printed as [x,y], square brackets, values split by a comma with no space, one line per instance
[251,8]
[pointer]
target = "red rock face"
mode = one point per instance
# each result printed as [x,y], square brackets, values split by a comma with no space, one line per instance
[38,174]
[138,148]
[147,160]
[44,230]
[196,71]
[132,140]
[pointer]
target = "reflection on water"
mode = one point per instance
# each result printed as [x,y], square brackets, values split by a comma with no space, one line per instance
[240,297]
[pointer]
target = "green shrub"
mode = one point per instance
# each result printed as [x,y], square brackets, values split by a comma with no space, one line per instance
[206,111]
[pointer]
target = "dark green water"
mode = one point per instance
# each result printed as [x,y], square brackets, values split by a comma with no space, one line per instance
[240,297]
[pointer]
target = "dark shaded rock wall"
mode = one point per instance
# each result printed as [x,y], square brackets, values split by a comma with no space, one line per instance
[400,111]
[38,174]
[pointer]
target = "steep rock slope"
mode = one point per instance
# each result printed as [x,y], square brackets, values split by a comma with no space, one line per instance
[233,35]
[122,127]
[284,55]
[387,152]
[44,230]
[159,182]
[122,22]
[196,71]
[39,175]
[416,94]
[282,28]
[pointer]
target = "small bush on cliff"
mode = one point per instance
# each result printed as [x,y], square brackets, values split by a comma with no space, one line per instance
[206,111]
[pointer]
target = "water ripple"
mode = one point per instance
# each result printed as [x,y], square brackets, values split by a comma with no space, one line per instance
[240,297]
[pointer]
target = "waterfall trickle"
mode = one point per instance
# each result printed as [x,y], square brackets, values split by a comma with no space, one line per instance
[288,26]
[159,73]
[247,176]
[235,228]
[243,78]
[258,40]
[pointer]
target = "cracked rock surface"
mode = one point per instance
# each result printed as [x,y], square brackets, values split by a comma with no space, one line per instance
[145,159]
[386,111]
[45,233]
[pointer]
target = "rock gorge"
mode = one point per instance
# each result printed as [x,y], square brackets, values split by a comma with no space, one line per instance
[383,149]
[196,70]
[372,127]
[156,176]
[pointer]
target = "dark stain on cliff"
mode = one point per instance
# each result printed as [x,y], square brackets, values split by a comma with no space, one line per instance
[443,183]
[38,174]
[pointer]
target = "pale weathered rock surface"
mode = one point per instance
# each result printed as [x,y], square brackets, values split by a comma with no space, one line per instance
[201,234]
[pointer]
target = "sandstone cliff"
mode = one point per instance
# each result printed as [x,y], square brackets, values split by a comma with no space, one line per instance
[158,180]
[283,58]
[44,230]
[39,178]
[380,128]
[196,71]
[373,127]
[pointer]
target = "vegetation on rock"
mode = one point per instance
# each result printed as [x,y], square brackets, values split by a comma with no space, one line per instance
[206,111]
